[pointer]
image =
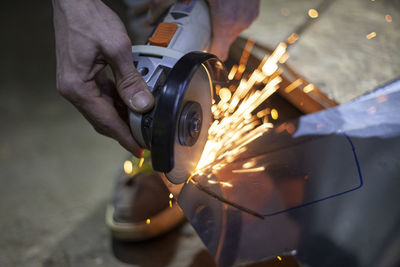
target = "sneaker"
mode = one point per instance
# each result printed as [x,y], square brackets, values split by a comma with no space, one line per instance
[142,206]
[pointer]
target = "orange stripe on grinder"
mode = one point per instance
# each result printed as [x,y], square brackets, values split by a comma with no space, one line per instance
[163,34]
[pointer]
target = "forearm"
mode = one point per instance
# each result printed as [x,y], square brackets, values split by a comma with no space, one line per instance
[90,36]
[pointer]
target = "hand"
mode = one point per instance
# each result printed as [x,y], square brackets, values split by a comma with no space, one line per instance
[90,36]
[229,19]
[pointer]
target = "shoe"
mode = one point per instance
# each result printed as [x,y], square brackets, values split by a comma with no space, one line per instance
[142,206]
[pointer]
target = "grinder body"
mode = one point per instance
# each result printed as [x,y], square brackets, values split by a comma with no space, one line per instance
[176,129]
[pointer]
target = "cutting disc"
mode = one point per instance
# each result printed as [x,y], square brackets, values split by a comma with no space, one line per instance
[182,115]
[186,157]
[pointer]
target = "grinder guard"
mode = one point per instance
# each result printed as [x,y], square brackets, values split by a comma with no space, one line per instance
[184,84]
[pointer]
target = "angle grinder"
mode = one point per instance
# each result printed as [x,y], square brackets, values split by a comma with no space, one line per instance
[181,79]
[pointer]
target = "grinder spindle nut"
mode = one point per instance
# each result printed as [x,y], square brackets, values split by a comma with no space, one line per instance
[190,123]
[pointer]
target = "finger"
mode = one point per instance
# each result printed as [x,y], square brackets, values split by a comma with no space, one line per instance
[109,92]
[130,85]
[220,47]
[102,115]
[157,8]
[106,86]
[137,8]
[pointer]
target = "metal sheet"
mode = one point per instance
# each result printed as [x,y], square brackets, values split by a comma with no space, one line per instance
[329,193]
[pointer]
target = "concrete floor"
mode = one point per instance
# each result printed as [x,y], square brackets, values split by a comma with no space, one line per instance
[56,173]
[333,52]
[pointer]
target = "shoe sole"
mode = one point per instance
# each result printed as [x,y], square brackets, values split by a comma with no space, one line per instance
[159,224]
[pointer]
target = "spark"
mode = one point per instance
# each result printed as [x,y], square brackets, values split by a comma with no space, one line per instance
[257,169]
[274,114]
[313,13]
[225,95]
[293,85]
[292,38]
[249,164]
[308,88]
[279,258]
[238,120]
[370,35]
[226,184]
[270,65]
[170,203]
[148,221]
[284,58]
[171,196]
[241,68]
[244,58]
[232,73]
[264,112]
[388,18]
[141,163]
[128,166]
[281,128]
[290,128]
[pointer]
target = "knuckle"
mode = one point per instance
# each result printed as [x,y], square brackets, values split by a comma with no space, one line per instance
[120,45]
[71,88]
[131,82]
[67,86]
[103,129]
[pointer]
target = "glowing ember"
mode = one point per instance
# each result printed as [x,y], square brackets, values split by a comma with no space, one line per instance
[128,167]
[290,128]
[237,118]
[310,87]
[232,73]
[141,163]
[225,95]
[274,114]
[292,38]
[293,85]
[226,184]
[249,164]
[313,13]
[371,35]
[258,169]
[270,65]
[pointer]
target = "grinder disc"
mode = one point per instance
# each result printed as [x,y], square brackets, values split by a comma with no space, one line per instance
[182,115]
[186,157]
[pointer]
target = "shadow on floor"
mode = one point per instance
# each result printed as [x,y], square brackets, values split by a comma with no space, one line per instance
[89,243]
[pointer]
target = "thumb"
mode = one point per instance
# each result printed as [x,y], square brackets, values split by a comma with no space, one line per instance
[157,8]
[131,87]
[220,47]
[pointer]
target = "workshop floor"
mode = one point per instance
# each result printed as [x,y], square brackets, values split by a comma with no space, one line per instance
[56,173]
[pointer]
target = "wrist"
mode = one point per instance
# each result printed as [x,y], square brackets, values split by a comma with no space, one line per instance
[65,5]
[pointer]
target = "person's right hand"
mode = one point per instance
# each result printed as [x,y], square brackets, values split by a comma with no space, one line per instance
[90,36]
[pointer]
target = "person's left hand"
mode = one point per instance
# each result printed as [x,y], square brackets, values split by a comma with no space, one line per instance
[228,20]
